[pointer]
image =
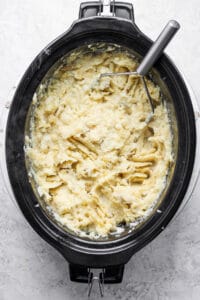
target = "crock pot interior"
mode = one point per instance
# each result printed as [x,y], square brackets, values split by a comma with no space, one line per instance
[166,96]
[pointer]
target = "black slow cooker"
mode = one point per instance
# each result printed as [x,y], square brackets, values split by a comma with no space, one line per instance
[109,23]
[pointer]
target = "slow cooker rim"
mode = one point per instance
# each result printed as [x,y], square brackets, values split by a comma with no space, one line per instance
[32,69]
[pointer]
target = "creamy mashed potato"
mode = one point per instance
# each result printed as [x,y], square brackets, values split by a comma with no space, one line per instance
[96,160]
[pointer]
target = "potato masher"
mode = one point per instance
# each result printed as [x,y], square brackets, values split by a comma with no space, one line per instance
[150,58]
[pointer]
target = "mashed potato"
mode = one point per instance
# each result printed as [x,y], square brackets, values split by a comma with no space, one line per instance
[96,160]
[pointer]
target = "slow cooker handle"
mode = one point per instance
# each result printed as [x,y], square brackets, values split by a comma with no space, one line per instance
[83,274]
[117,9]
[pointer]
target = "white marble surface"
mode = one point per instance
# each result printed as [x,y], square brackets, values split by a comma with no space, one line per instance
[169,267]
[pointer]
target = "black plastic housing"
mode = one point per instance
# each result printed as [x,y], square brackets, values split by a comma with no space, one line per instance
[78,251]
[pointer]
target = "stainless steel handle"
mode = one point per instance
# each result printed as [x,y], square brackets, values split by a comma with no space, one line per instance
[106,10]
[158,46]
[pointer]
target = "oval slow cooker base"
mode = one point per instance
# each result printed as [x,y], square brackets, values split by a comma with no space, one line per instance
[76,250]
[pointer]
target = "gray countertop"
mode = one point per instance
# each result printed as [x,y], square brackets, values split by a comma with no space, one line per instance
[169,267]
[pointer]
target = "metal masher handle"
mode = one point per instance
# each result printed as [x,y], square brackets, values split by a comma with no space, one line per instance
[158,46]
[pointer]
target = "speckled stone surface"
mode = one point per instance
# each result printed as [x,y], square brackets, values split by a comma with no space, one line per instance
[169,267]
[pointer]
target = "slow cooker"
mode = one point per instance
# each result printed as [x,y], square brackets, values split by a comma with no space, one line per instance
[107,22]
